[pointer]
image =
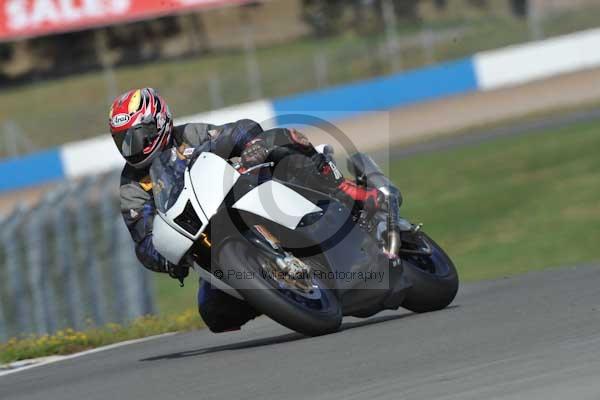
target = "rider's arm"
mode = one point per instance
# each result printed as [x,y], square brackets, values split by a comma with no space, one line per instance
[137,208]
[226,140]
[234,137]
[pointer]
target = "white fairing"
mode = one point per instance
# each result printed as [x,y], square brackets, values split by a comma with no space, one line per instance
[205,187]
[278,203]
[187,195]
[171,244]
[212,179]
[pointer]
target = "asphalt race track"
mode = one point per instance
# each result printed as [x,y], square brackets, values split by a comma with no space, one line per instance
[535,336]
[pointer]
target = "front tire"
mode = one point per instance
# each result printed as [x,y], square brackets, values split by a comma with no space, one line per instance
[434,279]
[311,318]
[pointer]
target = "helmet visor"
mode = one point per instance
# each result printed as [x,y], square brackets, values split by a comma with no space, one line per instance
[138,141]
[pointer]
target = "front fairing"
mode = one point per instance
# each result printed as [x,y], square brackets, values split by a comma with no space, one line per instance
[167,178]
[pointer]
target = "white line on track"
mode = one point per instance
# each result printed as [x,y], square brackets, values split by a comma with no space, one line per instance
[55,359]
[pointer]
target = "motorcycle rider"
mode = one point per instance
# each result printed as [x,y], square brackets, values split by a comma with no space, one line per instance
[141,125]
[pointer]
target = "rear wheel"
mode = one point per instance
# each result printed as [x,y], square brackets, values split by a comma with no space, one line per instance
[311,309]
[434,278]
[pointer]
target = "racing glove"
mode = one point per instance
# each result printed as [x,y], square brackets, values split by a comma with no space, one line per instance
[181,270]
[255,152]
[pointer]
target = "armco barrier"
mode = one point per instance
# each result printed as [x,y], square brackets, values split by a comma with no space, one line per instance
[383,93]
[34,169]
[484,71]
[525,63]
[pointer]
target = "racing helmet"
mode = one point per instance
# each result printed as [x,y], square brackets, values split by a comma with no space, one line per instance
[140,124]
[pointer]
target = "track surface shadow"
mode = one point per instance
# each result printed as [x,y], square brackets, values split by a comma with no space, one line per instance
[290,337]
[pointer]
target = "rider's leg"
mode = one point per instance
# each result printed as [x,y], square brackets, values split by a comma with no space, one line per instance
[298,160]
[222,312]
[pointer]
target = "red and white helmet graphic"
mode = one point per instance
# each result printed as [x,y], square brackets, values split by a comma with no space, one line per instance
[140,124]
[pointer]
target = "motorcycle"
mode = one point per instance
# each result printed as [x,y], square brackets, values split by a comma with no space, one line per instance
[293,253]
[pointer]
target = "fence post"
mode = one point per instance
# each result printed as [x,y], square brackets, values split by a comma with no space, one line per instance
[146,291]
[64,255]
[428,44]
[3,322]
[105,58]
[393,45]
[15,268]
[320,64]
[534,20]
[10,139]
[110,217]
[3,300]
[39,277]
[88,256]
[252,67]
[128,273]
[215,92]
[15,140]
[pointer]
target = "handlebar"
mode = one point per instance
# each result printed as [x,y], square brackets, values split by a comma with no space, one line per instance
[258,166]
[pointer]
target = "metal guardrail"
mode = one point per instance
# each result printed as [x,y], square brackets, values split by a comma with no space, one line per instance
[69,262]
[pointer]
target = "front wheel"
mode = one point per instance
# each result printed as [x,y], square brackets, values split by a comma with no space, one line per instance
[311,312]
[434,278]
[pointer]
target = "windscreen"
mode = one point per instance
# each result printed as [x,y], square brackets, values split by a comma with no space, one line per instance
[167,174]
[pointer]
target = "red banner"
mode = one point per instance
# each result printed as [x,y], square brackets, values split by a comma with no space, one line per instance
[27,18]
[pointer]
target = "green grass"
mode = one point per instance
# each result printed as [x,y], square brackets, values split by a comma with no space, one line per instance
[510,205]
[505,207]
[174,299]
[69,341]
[57,111]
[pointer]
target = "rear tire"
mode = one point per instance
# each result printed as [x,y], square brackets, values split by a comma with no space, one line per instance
[434,279]
[319,317]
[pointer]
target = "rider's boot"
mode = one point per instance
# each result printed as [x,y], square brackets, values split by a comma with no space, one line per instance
[384,198]
[358,197]
[222,312]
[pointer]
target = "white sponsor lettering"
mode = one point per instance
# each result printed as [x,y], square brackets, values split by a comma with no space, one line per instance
[120,120]
[92,8]
[43,11]
[70,13]
[30,14]
[16,13]
[120,6]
